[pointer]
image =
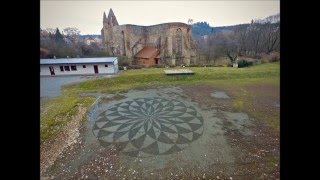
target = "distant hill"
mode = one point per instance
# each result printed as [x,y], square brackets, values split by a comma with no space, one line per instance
[203,28]
[90,35]
[272,19]
[220,28]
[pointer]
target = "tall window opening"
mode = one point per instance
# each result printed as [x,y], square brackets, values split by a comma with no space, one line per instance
[179,41]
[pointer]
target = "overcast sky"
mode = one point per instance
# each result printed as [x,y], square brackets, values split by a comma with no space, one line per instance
[87,15]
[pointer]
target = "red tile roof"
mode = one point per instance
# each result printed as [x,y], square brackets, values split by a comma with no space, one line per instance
[147,52]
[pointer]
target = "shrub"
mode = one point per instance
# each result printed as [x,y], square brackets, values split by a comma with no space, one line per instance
[256,61]
[230,65]
[244,63]
[274,58]
[210,65]
[171,66]
[194,65]
[257,57]
[158,66]
[120,67]
[123,61]
[263,61]
[135,67]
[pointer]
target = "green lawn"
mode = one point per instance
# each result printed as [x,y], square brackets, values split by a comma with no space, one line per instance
[57,112]
[155,76]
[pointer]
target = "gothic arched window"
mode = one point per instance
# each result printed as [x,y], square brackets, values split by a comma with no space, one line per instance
[188,31]
[123,43]
[179,41]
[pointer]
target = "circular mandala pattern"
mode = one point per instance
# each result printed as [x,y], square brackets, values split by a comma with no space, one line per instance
[148,126]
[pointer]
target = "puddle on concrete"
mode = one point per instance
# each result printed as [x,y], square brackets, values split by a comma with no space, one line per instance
[220,95]
[238,121]
[159,129]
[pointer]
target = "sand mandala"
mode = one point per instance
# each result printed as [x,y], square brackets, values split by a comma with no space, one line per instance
[148,126]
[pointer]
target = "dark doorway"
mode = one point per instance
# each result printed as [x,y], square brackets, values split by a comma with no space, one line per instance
[157,61]
[96,69]
[51,70]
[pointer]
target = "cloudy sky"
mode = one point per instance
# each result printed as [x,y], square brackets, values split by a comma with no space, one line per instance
[87,15]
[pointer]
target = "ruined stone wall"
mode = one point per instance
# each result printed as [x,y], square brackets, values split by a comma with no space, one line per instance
[134,39]
[172,39]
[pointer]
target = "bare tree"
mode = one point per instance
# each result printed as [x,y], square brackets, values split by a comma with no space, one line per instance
[72,33]
[271,37]
[242,36]
[263,36]
[212,49]
[255,37]
[226,43]
[50,30]
[246,39]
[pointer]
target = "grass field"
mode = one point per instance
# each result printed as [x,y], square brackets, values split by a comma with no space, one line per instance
[155,76]
[56,112]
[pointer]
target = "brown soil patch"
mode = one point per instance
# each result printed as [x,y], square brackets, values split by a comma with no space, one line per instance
[201,93]
[257,156]
[265,96]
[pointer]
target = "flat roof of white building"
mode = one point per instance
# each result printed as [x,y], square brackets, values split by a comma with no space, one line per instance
[78,60]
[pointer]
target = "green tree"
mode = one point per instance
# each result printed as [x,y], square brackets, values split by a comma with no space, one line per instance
[58,36]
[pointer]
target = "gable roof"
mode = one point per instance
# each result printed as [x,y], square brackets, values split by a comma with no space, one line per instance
[147,52]
[78,60]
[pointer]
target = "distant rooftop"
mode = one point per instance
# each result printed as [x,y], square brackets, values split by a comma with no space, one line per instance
[78,60]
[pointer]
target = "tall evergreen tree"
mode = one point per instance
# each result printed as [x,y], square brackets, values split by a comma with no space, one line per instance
[58,36]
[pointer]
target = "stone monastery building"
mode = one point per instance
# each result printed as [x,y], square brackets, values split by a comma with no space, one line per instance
[168,43]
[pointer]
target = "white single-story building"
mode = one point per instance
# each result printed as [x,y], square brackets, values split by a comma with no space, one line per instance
[78,66]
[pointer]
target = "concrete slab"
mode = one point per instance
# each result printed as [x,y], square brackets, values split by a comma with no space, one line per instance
[220,95]
[179,72]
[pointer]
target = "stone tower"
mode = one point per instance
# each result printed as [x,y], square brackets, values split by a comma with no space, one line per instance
[105,20]
[110,21]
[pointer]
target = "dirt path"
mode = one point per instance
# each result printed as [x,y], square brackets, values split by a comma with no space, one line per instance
[50,150]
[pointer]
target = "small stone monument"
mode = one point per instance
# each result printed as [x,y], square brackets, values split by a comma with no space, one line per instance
[235,65]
